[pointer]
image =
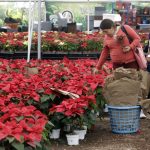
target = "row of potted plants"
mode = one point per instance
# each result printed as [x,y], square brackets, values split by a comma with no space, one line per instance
[51,41]
[31,108]
[56,42]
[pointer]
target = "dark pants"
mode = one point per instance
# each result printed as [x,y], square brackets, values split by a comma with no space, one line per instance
[133,65]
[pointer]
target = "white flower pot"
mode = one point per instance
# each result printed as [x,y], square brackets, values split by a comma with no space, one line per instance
[81,133]
[85,128]
[55,134]
[72,139]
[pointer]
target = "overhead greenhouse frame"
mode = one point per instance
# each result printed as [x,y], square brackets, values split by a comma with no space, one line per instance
[77,1]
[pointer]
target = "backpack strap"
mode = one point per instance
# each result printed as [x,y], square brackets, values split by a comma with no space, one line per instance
[125,31]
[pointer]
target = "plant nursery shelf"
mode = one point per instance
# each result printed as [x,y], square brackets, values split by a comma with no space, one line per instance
[50,55]
[17,55]
[74,55]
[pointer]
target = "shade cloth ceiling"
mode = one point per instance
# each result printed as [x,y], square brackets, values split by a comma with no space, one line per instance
[77,0]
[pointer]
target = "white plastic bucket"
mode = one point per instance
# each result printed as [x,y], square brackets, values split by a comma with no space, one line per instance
[81,133]
[55,134]
[72,139]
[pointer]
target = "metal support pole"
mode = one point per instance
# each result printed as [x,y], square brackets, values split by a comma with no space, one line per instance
[39,29]
[29,33]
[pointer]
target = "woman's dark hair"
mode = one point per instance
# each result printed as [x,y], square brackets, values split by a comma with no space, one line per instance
[106,24]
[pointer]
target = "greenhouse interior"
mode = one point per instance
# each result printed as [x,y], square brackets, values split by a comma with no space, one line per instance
[74,74]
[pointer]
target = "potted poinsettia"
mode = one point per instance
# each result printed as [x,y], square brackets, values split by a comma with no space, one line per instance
[55,119]
[77,112]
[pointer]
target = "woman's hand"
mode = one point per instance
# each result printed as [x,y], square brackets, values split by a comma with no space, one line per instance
[106,69]
[126,49]
[95,71]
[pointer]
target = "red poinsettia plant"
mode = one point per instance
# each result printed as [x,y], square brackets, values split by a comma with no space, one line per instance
[27,97]
[51,41]
[76,111]
[21,124]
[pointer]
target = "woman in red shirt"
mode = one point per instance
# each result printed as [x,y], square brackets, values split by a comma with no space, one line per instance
[117,45]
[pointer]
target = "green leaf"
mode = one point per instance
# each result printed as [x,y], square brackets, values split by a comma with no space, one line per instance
[44,105]
[2,148]
[38,144]
[10,139]
[52,97]
[50,123]
[22,138]
[44,146]
[45,135]
[18,146]
[99,90]
[44,98]
[30,101]
[41,91]
[28,148]
[19,118]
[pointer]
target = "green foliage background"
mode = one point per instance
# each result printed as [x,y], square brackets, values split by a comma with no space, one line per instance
[20,9]
[75,8]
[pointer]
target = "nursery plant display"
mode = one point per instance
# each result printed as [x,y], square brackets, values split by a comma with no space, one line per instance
[56,42]
[27,98]
[51,42]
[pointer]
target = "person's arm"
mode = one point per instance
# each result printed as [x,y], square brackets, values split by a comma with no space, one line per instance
[135,37]
[103,56]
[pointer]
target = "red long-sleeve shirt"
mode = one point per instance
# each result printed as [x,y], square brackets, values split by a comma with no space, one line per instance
[114,47]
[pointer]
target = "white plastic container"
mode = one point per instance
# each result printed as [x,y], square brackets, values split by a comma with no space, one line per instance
[72,139]
[81,133]
[55,134]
